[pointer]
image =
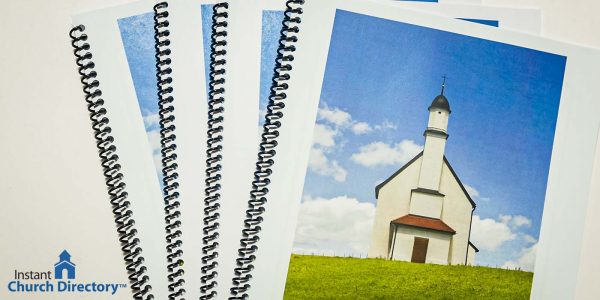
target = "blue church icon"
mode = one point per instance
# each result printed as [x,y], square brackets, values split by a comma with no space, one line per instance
[64,264]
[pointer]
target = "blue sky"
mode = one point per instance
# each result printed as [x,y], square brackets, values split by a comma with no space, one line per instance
[137,35]
[206,11]
[271,27]
[380,78]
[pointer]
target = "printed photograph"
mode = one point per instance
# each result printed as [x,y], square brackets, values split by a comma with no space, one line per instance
[428,170]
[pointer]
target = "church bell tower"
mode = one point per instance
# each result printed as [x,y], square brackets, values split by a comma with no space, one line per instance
[426,200]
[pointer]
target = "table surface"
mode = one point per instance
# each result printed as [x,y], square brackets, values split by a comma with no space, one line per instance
[38,82]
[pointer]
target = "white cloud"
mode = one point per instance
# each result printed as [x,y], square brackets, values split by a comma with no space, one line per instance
[386,125]
[489,234]
[505,218]
[382,154]
[472,191]
[320,164]
[151,120]
[526,260]
[154,139]
[361,128]
[519,221]
[341,120]
[336,226]
[529,239]
[324,136]
[335,116]
[475,195]
[262,113]
[323,141]
[515,221]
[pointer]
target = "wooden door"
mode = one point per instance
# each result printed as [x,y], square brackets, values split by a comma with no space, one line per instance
[419,252]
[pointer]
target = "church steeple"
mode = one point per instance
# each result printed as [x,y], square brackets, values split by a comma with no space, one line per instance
[443,84]
[426,200]
[441,101]
[436,135]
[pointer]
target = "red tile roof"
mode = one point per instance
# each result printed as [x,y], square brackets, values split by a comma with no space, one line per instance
[424,222]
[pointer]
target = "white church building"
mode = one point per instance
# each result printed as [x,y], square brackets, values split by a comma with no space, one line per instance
[424,212]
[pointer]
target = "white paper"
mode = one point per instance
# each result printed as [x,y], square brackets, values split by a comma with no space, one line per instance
[528,20]
[570,170]
[239,94]
[130,136]
[587,287]
[189,92]
[135,143]
[460,1]
[239,136]
[54,195]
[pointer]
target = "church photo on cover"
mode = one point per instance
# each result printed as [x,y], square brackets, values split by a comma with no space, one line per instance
[429,147]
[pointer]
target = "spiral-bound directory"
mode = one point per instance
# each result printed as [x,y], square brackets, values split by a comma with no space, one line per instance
[129,240]
[148,107]
[125,148]
[233,91]
[181,50]
[390,139]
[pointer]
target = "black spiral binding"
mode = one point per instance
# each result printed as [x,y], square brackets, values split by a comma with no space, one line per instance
[213,151]
[110,164]
[168,147]
[266,154]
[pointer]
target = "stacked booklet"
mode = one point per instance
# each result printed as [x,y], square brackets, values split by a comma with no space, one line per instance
[342,149]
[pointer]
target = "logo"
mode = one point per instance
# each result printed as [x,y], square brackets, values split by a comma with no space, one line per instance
[63,281]
[64,264]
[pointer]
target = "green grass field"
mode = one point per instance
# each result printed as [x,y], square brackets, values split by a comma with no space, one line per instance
[317,277]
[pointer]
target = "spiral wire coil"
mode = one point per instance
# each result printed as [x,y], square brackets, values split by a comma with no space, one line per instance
[214,145]
[266,153]
[168,152]
[130,243]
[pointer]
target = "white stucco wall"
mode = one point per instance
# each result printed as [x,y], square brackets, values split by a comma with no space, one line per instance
[434,150]
[438,119]
[433,159]
[426,205]
[456,213]
[437,249]
[392,203]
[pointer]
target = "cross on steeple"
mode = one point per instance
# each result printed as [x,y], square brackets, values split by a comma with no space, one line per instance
[444,83]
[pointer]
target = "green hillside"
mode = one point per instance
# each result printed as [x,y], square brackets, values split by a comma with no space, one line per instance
[316,277]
